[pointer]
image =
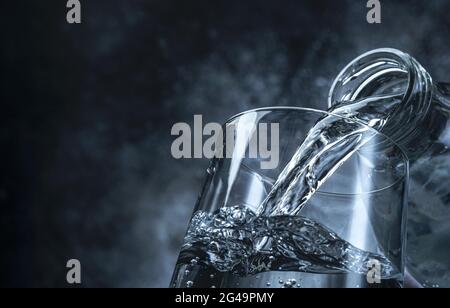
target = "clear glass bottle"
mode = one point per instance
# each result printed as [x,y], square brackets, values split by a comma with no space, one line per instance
[420,124]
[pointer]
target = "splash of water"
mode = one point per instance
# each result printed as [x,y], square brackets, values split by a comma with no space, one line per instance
[230,241]
[333,139]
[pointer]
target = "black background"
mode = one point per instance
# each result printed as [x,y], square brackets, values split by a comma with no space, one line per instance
[86,112]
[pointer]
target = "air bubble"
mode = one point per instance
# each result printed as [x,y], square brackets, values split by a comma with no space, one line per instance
[214,247]
[290,283]
[189,284]
[238,216]
[235,234]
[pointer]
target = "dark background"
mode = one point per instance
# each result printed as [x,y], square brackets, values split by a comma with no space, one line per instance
[86,112]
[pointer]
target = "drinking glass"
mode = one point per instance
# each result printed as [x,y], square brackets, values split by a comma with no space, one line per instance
[350,233]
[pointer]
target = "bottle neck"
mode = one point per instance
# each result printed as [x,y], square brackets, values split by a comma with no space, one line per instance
[385,72]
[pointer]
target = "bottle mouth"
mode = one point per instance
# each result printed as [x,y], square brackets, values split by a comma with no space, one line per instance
[384,72]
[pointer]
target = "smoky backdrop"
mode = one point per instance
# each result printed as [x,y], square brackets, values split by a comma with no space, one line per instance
[86,113]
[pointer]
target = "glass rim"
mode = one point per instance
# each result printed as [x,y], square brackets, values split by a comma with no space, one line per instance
[404,176]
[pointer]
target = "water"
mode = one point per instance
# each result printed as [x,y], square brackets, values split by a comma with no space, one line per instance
[235,244]
[327,146]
